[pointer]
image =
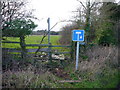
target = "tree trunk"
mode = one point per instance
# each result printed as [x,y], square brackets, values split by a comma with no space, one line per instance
[23,47]
[0,47]
[87,25]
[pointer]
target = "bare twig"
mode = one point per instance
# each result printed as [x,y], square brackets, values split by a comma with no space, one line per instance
[92,5]
[45,34]
[82,4]
[41,42]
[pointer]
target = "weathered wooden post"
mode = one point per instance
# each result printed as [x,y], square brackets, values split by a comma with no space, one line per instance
[23,47]
[48,21]
[0,46]
[50,52]
[72,50]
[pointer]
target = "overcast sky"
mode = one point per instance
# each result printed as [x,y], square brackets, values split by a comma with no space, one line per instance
[57,10]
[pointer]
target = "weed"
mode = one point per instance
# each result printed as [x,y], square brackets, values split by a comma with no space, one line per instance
[84,57]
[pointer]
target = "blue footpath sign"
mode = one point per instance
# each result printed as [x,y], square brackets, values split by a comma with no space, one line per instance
[78,35]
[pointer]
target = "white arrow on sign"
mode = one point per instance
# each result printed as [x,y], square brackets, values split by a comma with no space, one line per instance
[78,32]
[78,35]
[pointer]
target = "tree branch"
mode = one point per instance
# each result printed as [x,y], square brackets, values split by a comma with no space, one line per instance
[82,4]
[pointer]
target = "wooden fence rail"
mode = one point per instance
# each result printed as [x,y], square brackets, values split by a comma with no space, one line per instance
[34,45]
[47,50]
[9,42]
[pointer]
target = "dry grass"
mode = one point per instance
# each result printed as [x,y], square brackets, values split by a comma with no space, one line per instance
[28,79]
[101,64]
[99,56]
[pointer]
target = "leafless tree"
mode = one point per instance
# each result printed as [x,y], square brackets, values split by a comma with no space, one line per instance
[86,15]
[12,9]
[66,33]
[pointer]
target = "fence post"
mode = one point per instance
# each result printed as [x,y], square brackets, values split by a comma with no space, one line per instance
[23,47]
[50,52]
[72,50]
[0,46]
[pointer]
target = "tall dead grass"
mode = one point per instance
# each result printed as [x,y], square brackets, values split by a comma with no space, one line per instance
[100,58]
[28,79]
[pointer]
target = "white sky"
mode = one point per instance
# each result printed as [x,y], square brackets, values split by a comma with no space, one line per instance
[57,10]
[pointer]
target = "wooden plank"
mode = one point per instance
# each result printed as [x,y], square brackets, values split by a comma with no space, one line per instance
[70,81]
[59,46]
[9,42]
[58,59]
[46,45]
[11,50]
[41,50]
[8,49]
[33,45]
[61,52]
[33,50]
[28,50]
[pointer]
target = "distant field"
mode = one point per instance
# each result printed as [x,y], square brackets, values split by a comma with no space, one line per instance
[32,39]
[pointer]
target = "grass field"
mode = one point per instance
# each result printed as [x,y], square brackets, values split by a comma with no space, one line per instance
[32,39]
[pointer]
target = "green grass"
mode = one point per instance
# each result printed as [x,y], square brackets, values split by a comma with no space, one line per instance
[109,78]
[35,39]
[32,39]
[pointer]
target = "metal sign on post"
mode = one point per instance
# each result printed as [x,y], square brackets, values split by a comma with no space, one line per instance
[78,35]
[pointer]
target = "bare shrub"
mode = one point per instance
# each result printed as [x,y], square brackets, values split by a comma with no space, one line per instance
[99,55]
[28,79]
[100,58]
[66,33]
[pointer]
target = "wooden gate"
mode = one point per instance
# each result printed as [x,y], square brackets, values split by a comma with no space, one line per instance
[47,50]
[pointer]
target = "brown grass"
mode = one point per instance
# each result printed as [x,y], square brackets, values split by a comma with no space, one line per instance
[99,56]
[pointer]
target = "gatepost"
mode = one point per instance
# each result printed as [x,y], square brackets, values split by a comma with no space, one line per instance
[78,35]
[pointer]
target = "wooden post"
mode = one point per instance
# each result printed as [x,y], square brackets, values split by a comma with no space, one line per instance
[50,52]
[72,50]
[23,47]
[48,21]
[0,46]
